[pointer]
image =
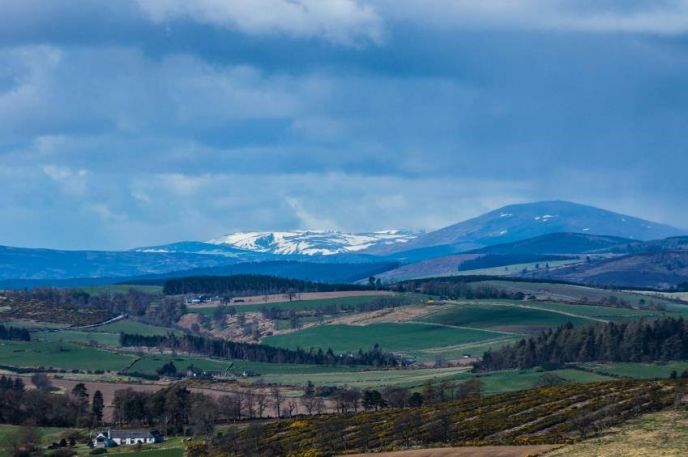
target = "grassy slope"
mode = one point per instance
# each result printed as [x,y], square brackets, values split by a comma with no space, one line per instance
[659,434]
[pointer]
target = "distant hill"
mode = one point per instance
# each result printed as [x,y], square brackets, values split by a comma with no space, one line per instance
[523,221]
[659,270]
[558,243]
[306,271]
[38,264]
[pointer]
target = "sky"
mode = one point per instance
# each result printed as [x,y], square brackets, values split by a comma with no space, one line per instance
[135,123]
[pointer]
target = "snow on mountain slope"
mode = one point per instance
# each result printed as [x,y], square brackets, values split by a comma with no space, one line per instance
[312,242]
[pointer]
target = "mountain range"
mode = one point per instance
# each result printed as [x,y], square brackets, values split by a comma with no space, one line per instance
[522,233]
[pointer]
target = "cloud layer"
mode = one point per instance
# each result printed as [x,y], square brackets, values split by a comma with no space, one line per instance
[141,122]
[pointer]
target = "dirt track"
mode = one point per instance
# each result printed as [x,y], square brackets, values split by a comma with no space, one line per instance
[468,451]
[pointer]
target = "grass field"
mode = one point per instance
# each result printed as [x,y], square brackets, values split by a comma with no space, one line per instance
[106,335]
[61,356]
[658,434]
[503,315]
[529,316]
[149,363]
[402,338]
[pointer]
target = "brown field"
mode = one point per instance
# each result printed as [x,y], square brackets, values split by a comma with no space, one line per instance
[213,389]
[468,451]
[401,314]
[107,389]
[278,298]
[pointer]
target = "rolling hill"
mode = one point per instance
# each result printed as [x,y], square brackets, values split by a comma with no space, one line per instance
[657,270]
[558,243]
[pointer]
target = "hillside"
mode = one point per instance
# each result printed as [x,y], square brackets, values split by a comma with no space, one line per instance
[674,243]
[557,243]
[522,221]
[661,270]
[307,271]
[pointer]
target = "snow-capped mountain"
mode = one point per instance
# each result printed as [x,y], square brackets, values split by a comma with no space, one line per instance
[523,221]
[312,242]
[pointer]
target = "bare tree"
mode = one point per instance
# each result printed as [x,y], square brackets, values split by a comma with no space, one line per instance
[261,403]
[277,399]
[292,407]
[308,403]
[320,406]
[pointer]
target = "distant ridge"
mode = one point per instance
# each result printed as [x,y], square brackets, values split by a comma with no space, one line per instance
[558,243]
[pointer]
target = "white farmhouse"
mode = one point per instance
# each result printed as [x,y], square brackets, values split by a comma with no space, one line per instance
[112,438]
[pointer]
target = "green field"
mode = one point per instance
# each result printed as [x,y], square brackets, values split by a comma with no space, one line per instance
[107,335]
[510,380]
[78,336]
[502,316]
[403,338]
[150,363]
[57,355]
[529,316]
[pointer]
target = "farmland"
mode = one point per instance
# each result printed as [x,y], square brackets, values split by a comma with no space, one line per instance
[403,338]
[58,355]
[296,305]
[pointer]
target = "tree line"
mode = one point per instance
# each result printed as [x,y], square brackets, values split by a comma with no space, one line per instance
[41,407]
[457,288]
[214,347]
[238,285]
[14,333]
[637,341]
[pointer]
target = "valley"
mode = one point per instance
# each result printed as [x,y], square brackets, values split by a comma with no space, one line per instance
[398,338]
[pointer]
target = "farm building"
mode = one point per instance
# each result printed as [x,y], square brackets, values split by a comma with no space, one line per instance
[112,438]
